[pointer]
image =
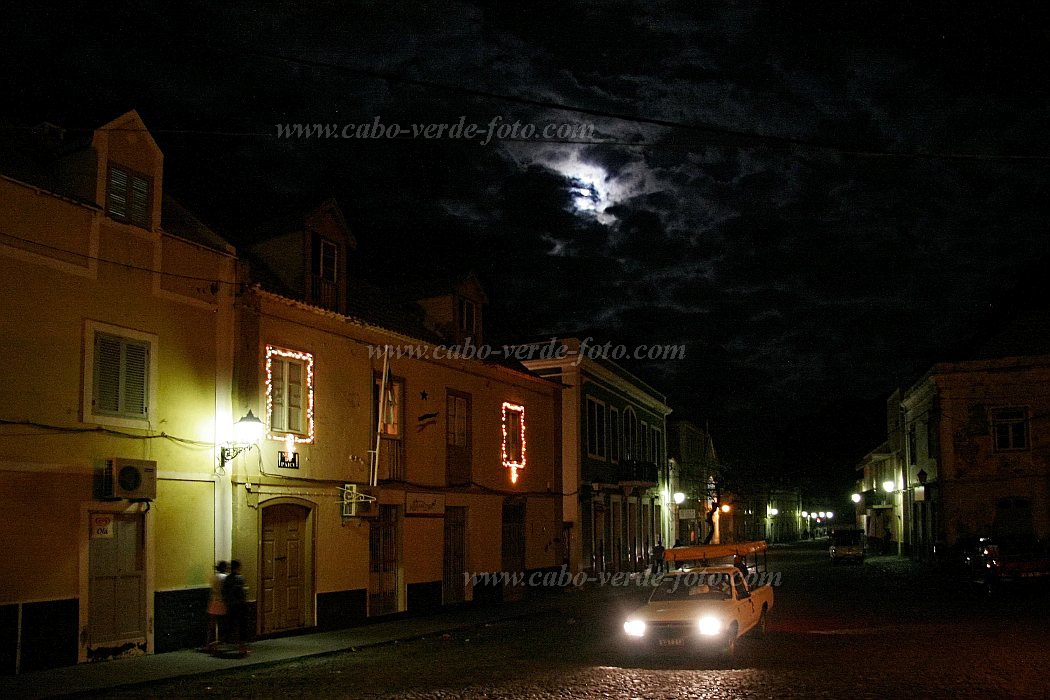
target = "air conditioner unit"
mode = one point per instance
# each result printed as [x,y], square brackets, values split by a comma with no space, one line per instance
[356,503]
[135,479]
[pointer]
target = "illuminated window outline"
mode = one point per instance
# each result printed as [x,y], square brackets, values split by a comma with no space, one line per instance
[507,462]
[307,359]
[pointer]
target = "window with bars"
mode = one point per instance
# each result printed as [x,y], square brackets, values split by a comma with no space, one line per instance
[120,385]
[128,196]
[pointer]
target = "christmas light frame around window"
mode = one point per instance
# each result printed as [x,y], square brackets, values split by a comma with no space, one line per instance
[308,359]
[507,462]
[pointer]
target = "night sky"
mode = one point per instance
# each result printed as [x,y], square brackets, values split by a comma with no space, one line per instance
[818,202]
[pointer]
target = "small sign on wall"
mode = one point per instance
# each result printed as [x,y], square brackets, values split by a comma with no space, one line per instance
[432,504]
[101,526]
[287,460]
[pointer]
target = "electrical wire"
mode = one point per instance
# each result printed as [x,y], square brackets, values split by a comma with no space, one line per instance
[72,430]
[129,266]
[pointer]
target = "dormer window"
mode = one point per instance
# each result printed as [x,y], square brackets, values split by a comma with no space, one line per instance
[327,264]
[325,273]
[467,317]
[128,196]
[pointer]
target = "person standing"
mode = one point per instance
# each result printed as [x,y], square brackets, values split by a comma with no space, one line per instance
[658,558]
[235,595]
[216,606]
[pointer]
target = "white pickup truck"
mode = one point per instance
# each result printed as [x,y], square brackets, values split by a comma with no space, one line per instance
[706,607]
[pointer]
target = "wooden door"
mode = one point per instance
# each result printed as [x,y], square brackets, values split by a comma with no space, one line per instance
[513,549]
[454,582]
[283,577]
[384,561]
[117,586]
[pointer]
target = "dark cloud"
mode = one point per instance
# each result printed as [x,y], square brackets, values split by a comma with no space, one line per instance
[797,276]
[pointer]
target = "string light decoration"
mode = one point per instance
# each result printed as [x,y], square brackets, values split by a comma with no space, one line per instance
[513,461]
[308,360]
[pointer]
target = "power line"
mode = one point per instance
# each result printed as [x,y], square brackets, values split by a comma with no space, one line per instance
[128,266]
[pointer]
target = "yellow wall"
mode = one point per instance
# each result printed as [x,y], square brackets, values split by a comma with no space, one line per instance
[185,544]
[40,559]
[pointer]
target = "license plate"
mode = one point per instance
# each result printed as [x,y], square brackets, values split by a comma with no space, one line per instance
[672,642]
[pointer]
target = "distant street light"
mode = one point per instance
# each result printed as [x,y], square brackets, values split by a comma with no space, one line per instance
[887,486]
[855,498]
[679,497]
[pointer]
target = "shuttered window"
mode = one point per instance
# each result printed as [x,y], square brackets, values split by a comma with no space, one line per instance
[121,380]
[128,196]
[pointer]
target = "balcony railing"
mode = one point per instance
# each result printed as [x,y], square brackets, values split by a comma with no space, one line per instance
[639,472]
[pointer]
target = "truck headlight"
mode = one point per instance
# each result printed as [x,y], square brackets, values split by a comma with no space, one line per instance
[635,628]
[710,625]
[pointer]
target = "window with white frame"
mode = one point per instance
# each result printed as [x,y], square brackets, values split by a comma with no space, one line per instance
[595,428]
[467,313]
[120,375]
[1010,429]
[326,265]
[290,394]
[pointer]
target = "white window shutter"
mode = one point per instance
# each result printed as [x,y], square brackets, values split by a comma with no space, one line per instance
[136,379]
[106,396]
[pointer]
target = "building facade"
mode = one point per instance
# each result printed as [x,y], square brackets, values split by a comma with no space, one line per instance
[117,322]
[615,484]
[136,337]
[968,456]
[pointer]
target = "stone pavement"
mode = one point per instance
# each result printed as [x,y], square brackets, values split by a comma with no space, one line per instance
[90,677]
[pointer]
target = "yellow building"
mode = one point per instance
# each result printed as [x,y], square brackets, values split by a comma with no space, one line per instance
[134,340]
[117,328]
[445,499]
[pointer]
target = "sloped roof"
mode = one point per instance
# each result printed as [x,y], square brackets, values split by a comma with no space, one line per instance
[178,221]
[38,156]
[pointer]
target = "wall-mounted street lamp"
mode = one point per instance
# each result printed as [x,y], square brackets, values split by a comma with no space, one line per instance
[774,511]
[888,486]
[679,498]
[726,508]
[855,498]
[246,432]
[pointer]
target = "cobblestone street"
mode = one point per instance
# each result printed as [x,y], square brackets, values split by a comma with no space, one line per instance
[887,627]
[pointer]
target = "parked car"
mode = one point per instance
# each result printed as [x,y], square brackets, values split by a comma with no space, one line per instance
[991,563]
[846,545]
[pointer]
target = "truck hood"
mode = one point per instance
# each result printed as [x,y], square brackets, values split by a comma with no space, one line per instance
[678,610]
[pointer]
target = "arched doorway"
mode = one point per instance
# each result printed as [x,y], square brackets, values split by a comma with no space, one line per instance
[284,580]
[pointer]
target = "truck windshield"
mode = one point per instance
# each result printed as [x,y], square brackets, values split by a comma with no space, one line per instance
[692,587]
[845,538]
